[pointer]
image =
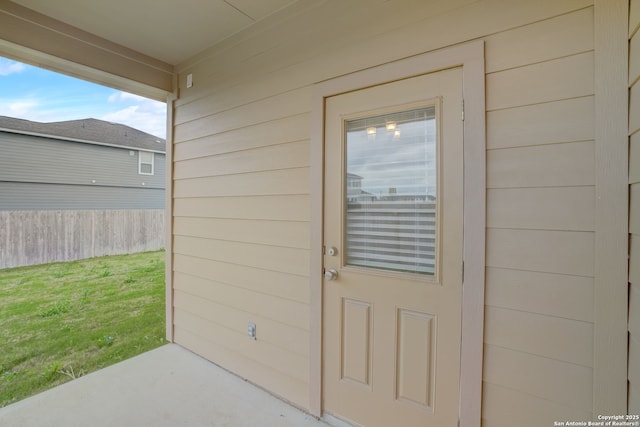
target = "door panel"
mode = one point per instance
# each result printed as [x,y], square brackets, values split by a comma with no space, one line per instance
[414,366]
[393,233]
[356,341]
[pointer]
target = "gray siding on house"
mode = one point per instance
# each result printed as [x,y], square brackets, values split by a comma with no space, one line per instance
[47,173]
[43,196]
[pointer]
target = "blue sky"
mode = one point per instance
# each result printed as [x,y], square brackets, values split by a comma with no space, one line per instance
[32,93]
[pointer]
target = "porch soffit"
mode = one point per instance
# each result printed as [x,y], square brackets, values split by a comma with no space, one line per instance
[169,31]
[131,45]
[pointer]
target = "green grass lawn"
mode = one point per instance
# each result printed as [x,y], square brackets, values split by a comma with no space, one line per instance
[63,320]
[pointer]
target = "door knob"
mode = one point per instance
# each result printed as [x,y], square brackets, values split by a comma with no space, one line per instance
[330,274]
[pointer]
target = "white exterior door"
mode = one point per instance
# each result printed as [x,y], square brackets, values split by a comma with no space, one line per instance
[392,290]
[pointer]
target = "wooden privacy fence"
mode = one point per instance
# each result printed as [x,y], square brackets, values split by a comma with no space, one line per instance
[38,237]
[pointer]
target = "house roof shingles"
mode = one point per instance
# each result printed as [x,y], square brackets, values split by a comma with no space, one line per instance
[88,131]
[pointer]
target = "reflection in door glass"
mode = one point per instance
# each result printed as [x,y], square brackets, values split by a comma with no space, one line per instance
[391,192]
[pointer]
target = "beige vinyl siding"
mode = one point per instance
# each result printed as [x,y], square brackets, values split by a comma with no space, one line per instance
[634,216]
[540,219]
[241,190]
[241,241]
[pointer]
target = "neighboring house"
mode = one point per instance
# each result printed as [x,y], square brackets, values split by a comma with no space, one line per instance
[355,192]
[532,315]
[79,164]
[78,189]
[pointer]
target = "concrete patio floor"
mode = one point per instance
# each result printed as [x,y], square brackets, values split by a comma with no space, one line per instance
[168,386]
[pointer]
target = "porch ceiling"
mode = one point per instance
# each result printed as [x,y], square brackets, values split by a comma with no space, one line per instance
[167,30]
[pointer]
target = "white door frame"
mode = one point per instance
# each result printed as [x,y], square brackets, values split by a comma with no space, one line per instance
[470,56]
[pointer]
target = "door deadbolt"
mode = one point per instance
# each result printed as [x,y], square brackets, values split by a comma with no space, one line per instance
[332,251]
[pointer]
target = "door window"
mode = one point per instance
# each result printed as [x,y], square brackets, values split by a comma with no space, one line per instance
[391,191]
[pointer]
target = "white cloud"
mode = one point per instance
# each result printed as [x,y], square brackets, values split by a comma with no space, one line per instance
[10,67]
[132,110]
[138,112]
[21,108]
[39,110]
[124,96]
[148,120]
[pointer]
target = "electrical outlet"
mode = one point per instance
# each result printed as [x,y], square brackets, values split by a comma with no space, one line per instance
[251,331]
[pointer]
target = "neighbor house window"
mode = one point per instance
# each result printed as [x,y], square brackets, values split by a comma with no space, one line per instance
[145,163]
